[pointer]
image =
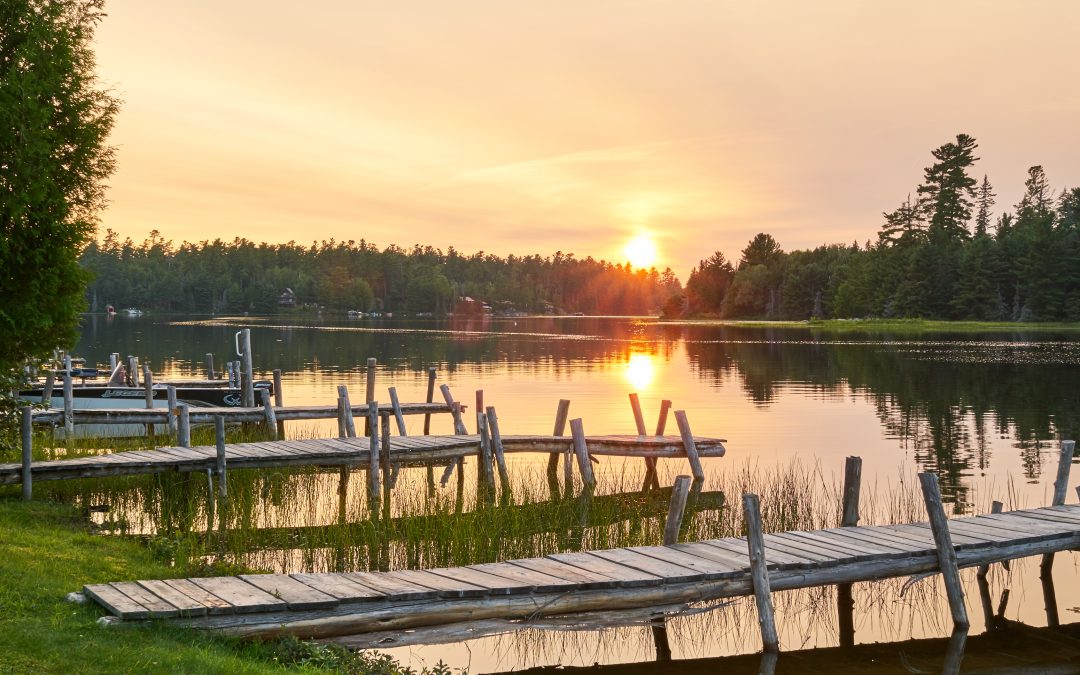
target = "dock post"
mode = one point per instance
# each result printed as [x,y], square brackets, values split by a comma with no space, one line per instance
[497,446]
[238,375]
[995,507]
[342,432]
[369,392]
[1061,486]
[661,421]
[676,510]
[384,427]
[269,415]
[170,393]
[485,474]
[219,439]
[459,425]
[114,361]
[350,423]
[560,429]
[689,446]
[183,426]
[399,418]
[430,398]
[849,517]
[755,541]
[69,403]
[373,458]
[229,373]
[248,380]
[47,390]
[279,401]
[148,393]
[946,554]
[210,374]
[27,452]
[133,370]
[582,452]
[639,423]
[479,407]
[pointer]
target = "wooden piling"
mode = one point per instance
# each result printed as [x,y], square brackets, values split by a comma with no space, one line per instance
[279,401]
[114,361]
[210,374]
[47,390]
[497,447]
[248,380]
[1061,486]
[661,422]
[183,426]
[946,554]
[268,414]
[69,403]
[560,429]
[369,391]
[350,423]
[229,377]
[484,474]
[343,431]
[170,394]
[459,424]
[689,446]
[639,420]
[582,452]
[219,438]
[755,541]
[677,509]
[849,517]
[995,507]
[27,452]
[479,407]
[133,370]
[384,427]
[398,417]
[148,393]
[430,398]
[373,463]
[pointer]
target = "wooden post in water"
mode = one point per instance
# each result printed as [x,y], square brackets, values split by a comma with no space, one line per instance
[384,425]
[479,407]
[350,423]
[219,439]
[133,370]
[269,415]
[582,452]
[459,425]
[484,475]
[689,446]
[279,401]
[1061,486]
[183,426]
[342,428]
[210,374]
[27,452]
[69,402]
[47,390]
[849,517]
[369,392]
[755,542]
[497,446]
[248,380]
[373,462]
[560,429]
[676,511]
[995,507]
[114,361]
[148,392]
[430,399]
[170,394]
[946,554]
[229,373]
[639,424]
[399,418]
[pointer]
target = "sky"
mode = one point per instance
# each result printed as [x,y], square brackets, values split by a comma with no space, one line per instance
[534,127]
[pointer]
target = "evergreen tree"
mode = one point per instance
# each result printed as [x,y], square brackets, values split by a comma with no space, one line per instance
[947,191]
[985,200]
[762,250]
[904,226]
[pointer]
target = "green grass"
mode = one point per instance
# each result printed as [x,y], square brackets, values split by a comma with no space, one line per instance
[46,551]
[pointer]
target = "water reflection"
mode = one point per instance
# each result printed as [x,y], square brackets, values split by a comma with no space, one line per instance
[640,371]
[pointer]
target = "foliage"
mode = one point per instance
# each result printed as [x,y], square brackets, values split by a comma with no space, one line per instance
[54,120]
[926,263]
[218,276]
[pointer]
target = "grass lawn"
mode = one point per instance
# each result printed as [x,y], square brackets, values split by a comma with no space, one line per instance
[47,551]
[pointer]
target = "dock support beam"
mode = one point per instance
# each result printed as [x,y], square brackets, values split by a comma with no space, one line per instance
[755,542]
[219,437]
[582,452]
[946,554]
[69,400]
[689,446]
[431,373]
[849,517]
[170,393]
[346,412]
[369,392]
[373,462]
[249,370]
[497,447]
[279,400]
[183,425]
[268,413]
[210,374]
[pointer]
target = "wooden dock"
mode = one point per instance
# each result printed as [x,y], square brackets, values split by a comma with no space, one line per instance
[328,605]
[342,452]
[206,415]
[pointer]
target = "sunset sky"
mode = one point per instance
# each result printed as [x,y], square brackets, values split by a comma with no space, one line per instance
[517,127]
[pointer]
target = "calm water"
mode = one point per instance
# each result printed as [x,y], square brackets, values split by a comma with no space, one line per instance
[984,411]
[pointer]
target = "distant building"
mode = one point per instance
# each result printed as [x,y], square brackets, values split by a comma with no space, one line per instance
[287,298]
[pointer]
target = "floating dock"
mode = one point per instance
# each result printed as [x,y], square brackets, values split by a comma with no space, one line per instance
[328,605]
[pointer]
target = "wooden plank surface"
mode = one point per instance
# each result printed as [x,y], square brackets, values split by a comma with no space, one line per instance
[157,607]
[213,604]
[669,572]
[299,595]
[583,578]
[626,576]
[241,595]
[710,567]
[535,580]
[447,586]
[184,604]
[115,601]
[391,587]
[338,586]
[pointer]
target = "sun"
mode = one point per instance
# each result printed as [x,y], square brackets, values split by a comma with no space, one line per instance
[640,251]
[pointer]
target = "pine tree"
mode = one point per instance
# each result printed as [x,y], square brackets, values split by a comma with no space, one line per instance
[985,200]
[904,226]
[947,191]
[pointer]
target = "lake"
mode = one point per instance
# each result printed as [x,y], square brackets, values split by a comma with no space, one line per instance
[985,411]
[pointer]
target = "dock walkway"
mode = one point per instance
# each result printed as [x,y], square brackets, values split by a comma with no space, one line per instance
[341,452]
[328,604]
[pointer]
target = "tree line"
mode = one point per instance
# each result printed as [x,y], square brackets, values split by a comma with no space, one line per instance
[241,275]
[942,255]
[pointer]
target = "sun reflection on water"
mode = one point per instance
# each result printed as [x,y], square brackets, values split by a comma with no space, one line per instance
[640,371]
